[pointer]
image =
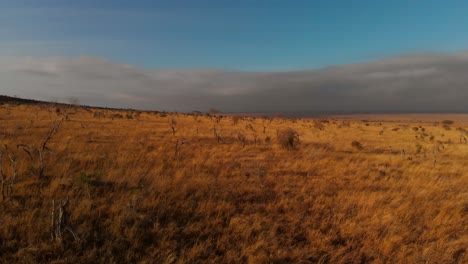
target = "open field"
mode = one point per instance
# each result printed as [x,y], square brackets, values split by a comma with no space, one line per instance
[172,188]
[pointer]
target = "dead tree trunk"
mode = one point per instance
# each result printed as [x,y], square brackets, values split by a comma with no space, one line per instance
[53,224]
[3,175]
[61,221]
[14,171]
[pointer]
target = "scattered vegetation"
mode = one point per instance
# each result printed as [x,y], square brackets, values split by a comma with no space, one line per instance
[113,190]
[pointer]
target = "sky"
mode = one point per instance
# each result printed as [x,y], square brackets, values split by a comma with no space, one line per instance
[201,54]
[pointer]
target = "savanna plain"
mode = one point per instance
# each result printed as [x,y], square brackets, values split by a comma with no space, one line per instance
[93,185]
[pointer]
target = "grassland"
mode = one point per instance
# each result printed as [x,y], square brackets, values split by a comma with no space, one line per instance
[172,188]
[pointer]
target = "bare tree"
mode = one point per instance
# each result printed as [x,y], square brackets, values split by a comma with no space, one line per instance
[43,148]
[173,124]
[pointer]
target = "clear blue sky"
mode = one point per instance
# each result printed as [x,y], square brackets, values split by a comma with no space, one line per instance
[241,35]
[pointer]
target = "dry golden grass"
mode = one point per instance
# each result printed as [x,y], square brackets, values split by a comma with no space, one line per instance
[223,190]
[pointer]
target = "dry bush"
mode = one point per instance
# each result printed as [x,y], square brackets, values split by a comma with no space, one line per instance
[448,122]
[357,145]
[236,119]
[288,138]
[319,125]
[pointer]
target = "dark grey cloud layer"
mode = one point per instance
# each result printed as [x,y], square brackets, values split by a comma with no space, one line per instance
[413,83]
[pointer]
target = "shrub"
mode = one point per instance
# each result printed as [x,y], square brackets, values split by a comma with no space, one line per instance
[357,145]
[419,148]
[319,125]
[87,182]
[288,138]
[447,122]
[236,119]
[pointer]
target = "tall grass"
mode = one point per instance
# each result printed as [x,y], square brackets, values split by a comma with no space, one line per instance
[137,194]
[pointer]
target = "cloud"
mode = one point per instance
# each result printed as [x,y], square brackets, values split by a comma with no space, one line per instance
[432,82]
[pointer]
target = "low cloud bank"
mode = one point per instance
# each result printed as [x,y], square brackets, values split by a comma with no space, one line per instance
[413,83]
